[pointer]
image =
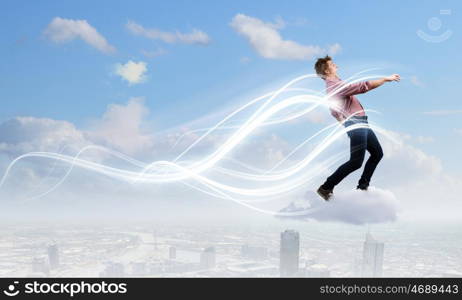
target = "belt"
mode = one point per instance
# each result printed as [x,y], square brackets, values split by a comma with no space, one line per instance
[355,120]
[358,118]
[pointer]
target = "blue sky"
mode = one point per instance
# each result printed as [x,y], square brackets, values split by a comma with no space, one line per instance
[74,81]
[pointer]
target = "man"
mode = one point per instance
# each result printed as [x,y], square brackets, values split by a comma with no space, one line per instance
[343,106]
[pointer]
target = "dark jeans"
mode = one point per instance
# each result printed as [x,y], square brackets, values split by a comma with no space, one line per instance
[361,139]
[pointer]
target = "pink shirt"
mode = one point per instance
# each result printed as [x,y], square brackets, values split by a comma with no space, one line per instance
[344,103]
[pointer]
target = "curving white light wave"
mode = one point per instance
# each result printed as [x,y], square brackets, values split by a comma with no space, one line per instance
[275,181]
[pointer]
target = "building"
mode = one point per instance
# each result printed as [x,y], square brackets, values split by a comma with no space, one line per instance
[53,256]
[451,274]
[317,270]
[138,268]
[289,253]
[154,237]
[172,253]
[40,265]
[372,264]
[113,269]
[357,265]
[208,258]
[178,267]
[254,253]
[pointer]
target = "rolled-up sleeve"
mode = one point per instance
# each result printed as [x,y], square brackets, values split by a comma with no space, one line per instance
[354,88]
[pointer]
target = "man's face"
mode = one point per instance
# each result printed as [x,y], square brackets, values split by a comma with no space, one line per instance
[331,68]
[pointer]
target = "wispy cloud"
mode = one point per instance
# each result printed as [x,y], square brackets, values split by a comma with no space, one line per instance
[195,37]
[132,72]
[265,38]
[154,53]
[458,131]
[443,112]
[420,139]
[300,21]
[65,30]
[424,139]
[416,81]
[245,60]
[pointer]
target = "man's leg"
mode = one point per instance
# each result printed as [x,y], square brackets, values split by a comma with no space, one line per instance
[358,146]
[375,150]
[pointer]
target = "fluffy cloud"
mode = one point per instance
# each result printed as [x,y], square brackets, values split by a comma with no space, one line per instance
[121,127]
[132,72]
[22,135]
[195,37]
[266,40]
[352,207]
[26,134]
[65,30]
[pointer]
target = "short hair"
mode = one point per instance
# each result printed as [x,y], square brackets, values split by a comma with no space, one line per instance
[321,65]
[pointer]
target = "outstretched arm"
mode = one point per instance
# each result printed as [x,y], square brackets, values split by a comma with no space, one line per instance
[378,82]
[364,86]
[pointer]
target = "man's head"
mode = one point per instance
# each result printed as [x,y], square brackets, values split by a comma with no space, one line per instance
[325,67]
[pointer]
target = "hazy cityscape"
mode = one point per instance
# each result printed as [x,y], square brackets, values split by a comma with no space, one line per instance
[279,249]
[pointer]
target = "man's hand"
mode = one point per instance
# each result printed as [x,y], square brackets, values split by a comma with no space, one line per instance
[394,77]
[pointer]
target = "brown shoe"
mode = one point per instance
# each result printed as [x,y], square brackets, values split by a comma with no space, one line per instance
[325,194]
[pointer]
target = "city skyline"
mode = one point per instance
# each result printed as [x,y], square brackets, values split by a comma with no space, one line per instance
[129,250]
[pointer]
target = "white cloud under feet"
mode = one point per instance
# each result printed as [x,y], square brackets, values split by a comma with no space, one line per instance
[352,207]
